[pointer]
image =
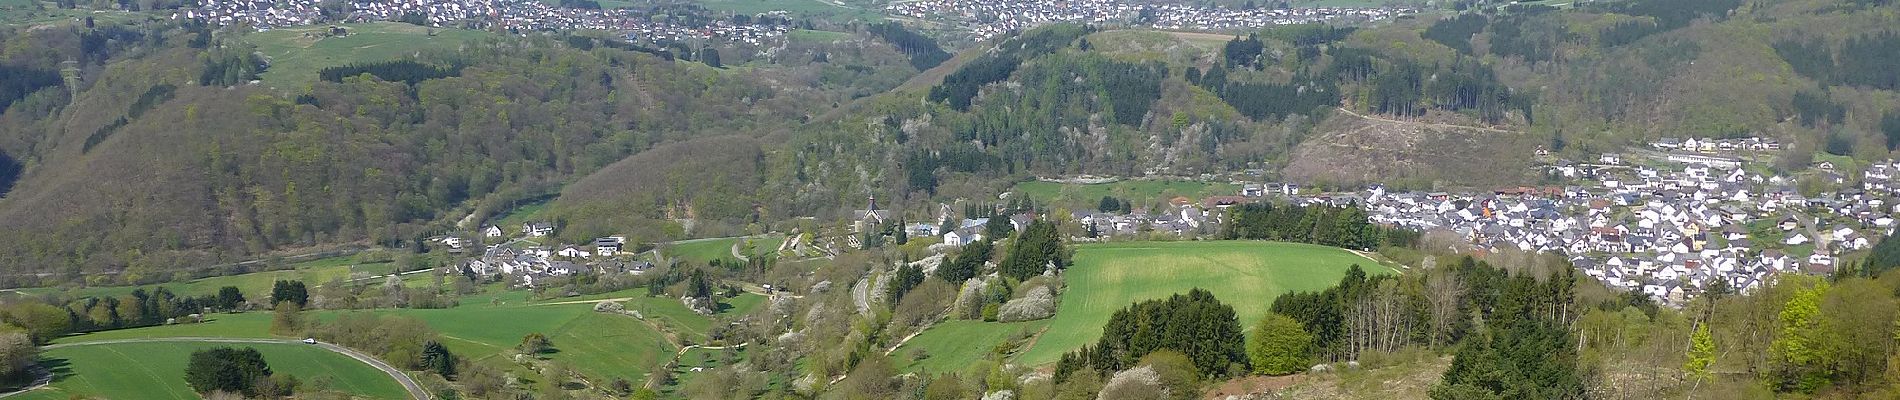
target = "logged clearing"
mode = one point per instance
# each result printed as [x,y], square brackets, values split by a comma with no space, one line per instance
[1244,274]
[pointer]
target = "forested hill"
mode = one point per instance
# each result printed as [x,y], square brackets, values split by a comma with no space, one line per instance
[142,146]
[1434,101]
[151,154]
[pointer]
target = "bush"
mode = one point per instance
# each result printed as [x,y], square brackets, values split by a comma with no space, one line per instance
[1279,345]
[989,312]
[225,369]
[1039,303]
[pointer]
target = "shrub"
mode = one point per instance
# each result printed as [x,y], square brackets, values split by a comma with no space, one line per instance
[1039,303]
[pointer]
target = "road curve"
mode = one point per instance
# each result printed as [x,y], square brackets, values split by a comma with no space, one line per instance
[409,384]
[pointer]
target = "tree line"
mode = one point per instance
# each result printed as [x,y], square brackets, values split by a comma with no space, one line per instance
[923,51]
[1345,227]
[405,71]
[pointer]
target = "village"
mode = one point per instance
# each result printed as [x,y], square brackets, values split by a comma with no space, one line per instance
[986,19]
[511,15]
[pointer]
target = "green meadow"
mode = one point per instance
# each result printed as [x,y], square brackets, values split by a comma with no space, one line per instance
[297,53]
[1244,274]
[952,346]
[485,328]
[156,370]
[705,250]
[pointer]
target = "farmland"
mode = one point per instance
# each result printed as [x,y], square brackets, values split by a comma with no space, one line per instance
[601,346]
[1244,274]
[156,370]
[297,53]
[953,345]
[1142,193]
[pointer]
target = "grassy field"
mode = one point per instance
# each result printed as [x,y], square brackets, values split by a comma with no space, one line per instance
[296,54]
[1244,274]
[602,346]
[254,285]
[1142,193]
[156,370]
[954,345]
[705,250]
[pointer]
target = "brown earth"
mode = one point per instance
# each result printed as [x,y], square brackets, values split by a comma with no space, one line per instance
[1351,148]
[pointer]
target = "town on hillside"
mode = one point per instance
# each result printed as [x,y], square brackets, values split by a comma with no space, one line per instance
[986,19]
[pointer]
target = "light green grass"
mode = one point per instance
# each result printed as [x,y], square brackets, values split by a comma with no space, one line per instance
[705,250]
[608,346]
[1143,193]
[156,370]
[601,346]
[1244,274]
[296,54]
[955,345]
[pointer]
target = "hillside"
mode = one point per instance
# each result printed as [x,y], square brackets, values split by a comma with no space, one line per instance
[151,156]
[1353,148]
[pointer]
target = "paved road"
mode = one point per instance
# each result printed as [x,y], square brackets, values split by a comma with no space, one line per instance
[415,389]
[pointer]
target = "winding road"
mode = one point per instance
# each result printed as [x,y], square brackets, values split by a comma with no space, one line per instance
[409,384]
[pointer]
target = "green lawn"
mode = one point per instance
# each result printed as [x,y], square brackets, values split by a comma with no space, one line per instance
[296,54]
[1244,274]
[156,370]
[954,345]
[1142,193]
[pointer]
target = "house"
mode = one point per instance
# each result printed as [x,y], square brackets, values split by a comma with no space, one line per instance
[573,252]
[564,268]
[531,278]
[1796,240]
[962,237]
[537,229]
[491,231]
[608,246]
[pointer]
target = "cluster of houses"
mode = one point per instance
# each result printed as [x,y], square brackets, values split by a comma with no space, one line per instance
[534,264]
[1701,145]
[1668,233]
[514,15]
[986,19]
